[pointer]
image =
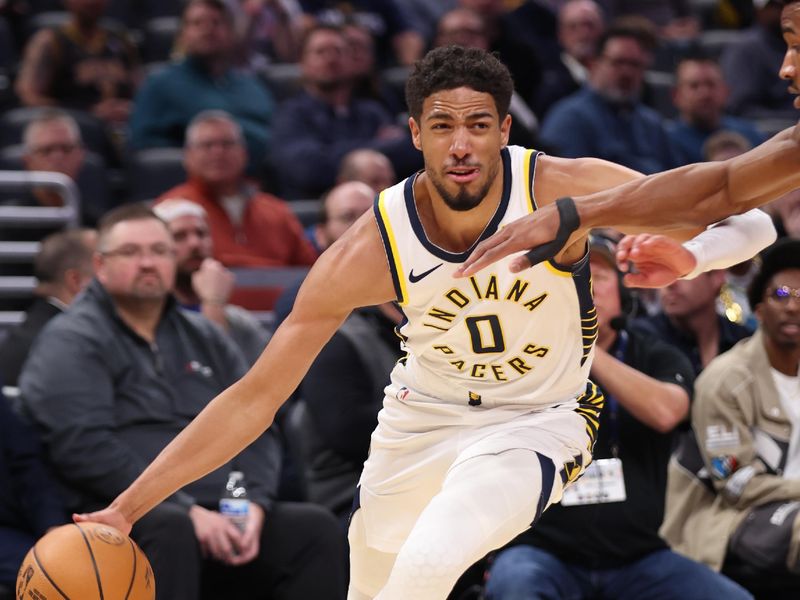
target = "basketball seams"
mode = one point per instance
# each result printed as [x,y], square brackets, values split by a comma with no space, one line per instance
[94,561]
[47,575]
[133,570]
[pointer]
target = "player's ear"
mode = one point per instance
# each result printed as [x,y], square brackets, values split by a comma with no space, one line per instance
[505,129]
[415,131]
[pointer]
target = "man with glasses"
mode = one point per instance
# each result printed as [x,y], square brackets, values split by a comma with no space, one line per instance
[734,497]
[249,228]
[607,119]
[117,377]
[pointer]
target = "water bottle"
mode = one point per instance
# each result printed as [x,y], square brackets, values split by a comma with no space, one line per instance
[234,503]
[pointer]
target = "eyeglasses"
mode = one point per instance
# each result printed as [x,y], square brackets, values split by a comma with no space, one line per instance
[64,148]
[223,143]
[783,293]
[133,252]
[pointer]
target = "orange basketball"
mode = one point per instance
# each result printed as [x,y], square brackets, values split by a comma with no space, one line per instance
[85,561]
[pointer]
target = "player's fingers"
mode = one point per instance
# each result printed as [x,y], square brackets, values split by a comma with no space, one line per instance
[638,280]
[484,254]
[520,264]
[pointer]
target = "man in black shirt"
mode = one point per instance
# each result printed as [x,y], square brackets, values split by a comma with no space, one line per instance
[602,540]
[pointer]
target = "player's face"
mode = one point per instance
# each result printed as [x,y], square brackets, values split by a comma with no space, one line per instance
[790,69]
[137,260]
[192,242]
[779,312]
[461,135]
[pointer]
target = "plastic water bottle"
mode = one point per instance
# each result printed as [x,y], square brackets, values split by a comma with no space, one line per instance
[234,503]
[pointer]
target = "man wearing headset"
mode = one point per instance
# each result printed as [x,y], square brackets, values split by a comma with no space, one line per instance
[602,540]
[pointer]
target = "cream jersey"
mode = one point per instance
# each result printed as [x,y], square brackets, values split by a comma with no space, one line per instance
[496,338]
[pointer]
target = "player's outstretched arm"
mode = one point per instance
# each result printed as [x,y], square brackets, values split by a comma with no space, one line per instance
[352,273]
[690,196]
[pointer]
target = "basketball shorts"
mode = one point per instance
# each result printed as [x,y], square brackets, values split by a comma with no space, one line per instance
[417,442]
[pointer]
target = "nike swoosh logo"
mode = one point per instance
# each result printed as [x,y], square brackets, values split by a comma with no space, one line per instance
[415,278]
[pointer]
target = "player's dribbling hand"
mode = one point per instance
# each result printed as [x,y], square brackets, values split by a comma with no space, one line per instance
[532,230]
[109,516]
[657,260]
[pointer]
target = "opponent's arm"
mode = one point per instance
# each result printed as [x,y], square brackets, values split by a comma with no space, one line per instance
[691,196]
[352,273]
[660,260]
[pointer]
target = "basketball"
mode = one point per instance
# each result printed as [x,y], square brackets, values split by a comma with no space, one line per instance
[85,561]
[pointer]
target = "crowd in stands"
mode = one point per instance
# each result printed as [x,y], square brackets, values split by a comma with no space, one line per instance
[194,146]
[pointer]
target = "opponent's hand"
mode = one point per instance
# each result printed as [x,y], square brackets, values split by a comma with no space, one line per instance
[657,260]
[532,230]
[109,516]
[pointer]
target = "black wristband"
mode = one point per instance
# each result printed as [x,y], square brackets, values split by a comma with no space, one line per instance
[568,222]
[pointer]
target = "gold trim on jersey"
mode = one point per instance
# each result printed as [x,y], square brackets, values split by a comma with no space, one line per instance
[395,255]
[556,271]
[528,181]
[590,404]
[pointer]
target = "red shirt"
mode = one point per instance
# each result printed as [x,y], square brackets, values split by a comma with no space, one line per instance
[270,235]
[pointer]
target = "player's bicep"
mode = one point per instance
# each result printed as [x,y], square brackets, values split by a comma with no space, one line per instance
[352,273]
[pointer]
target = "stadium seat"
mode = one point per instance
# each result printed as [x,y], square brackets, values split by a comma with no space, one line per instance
[284,80]
[153,171]
[159,38]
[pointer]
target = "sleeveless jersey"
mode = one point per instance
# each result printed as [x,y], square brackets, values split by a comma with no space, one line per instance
[496,338]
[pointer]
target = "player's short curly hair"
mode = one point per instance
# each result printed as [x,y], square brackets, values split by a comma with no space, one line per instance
[451,67]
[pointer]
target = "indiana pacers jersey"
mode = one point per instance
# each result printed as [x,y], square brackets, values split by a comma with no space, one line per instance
[496,338]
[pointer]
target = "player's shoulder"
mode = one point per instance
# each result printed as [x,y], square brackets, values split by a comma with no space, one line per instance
[557,176]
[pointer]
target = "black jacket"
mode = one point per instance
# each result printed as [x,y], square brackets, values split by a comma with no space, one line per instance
[107,401]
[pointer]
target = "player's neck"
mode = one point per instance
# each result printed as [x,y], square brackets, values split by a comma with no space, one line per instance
[453,230]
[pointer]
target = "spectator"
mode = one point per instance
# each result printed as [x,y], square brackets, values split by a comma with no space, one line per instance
[368,166]
[203,79]
[83,64]
[29,500]
[52,142]
[267,30]
[202,284]
[350,369]
[325,121]
[580,25]
[114,379]
[750,64]
[725,144]
[249,228]
[523,37]
[602,540]
[607,118]
[674,18]
[734,496]
[63,268]
[388,21]
[368,80]
[700,95]
[341,207]
[464,27]
[786,214]
[689,319]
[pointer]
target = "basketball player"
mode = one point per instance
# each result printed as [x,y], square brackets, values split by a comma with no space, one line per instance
[491,414]
[694,195]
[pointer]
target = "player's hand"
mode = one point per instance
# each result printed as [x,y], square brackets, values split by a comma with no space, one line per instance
[532,230]
[657,260]
[109,516]
[218,537]
[250,541]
